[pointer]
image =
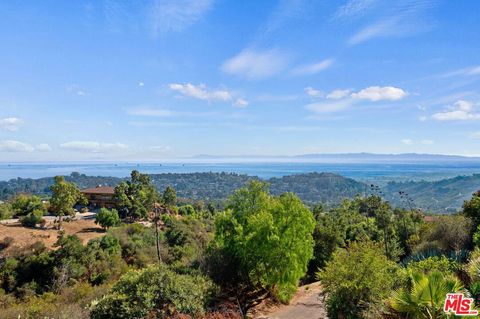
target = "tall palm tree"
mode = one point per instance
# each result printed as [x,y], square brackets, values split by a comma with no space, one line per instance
[426,297]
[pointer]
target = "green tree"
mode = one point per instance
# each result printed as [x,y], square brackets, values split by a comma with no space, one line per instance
[137,196]
[471,208]
[357,280]
[268,239]
[169,196]
[107,218]
[25,204]
[426,295]
[65,196]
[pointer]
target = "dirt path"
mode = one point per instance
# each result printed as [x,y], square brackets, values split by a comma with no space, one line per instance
[305,305]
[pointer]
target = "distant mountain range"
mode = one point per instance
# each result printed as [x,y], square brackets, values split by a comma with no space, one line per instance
[443,196]
[352,158]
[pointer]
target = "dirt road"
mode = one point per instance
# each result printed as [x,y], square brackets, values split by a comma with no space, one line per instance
[305,305]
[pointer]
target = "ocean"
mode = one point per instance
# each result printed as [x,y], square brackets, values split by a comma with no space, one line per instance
[361,171]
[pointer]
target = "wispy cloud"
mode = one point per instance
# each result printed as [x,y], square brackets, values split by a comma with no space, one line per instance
[76,89]
[469,71]
[338,94]
[241,103]
[329,107]
[43,147]
[389,19]
[15,146]
[354,8]
[253,64]
[177,15]
[93,147]
[11,124]
[201,92]
[314,68]
[407,141]
[313,92]
[148,111]
[157,17]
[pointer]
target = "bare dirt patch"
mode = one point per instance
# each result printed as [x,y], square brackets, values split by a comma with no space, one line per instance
[22,236]
[306,304]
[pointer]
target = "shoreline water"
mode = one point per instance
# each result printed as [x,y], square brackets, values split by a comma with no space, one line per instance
[359,171]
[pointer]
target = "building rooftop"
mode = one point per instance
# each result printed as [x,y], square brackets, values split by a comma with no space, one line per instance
[99,190]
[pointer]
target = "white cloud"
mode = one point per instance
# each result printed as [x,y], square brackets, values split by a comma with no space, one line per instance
[15,146]
[141,84]
[422,118]
[377,93]
[10,124]
[94,147]
[176,15]
[43,147]
[407,141]
[255,64]
[241,103]
[460,111]
[147,111]
[313,92]
[427,142]
[313,68]
[338,94]
[201,92]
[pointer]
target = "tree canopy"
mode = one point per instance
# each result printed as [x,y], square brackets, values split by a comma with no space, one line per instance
[269,237]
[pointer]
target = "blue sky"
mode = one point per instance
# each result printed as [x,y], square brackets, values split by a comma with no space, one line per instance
[152,80]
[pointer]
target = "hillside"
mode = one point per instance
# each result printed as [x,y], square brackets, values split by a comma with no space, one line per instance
[443,196]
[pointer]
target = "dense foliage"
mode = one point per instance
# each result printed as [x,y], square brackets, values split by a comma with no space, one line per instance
[268,241]
[357,279]
[163,256]
[156,292]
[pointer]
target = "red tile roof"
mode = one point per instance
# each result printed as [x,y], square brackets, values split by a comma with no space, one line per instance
[99,190]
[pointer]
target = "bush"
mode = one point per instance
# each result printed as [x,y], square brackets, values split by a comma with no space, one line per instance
[186,210]
[357,280]
[6,211]
[157,291]
[26,204]
[32,219]
[434,264]
[107,218]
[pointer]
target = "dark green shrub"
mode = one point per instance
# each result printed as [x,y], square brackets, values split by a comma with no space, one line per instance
[156,290]
[107,218]
[32,219]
